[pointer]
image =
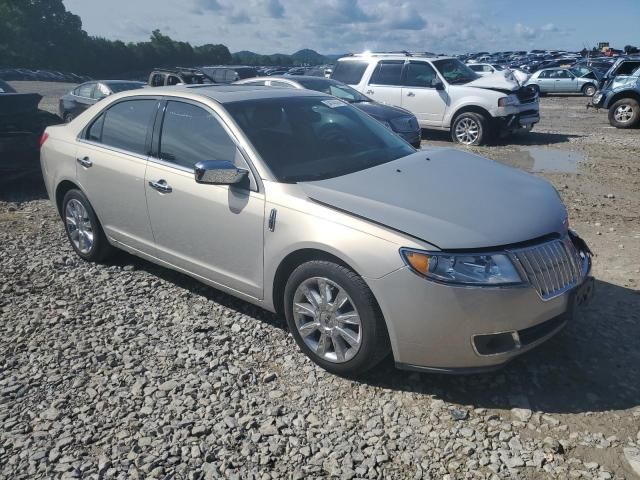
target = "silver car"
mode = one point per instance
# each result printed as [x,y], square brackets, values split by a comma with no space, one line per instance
[304,205]
[563,80]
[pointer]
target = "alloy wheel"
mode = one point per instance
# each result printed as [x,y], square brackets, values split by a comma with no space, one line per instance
[467,131]
[79,226]
[327,319]
[624,113]
[590,91]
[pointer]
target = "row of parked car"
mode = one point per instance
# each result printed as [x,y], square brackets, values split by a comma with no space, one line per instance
[407,92]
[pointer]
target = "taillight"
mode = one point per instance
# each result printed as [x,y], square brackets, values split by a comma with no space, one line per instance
[43,138]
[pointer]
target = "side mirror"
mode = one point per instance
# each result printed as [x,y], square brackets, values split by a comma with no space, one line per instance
[219,172]
[437,84]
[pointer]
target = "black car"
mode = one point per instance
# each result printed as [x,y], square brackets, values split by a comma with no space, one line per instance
[83,96]
[401,121]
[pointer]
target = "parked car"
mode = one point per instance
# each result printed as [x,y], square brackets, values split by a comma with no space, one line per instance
[399,120]
[21,127]
[562,80]
[161,77]
[484,69]
[304,205]
[229,74]
[83,96]
[622,98]
[443,93]
[622,66]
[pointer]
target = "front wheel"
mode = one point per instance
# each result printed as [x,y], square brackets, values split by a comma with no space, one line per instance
[589,90]
[470,129]
[334,318]
[625,113]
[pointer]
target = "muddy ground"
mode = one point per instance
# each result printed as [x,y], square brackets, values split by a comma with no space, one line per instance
[582,387]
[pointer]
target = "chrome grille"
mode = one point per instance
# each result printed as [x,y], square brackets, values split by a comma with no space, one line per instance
[552,267]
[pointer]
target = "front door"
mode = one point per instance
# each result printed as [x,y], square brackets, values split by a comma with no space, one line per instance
[566,82]
[385,82]
[420,97]
[213,231]
[110,168]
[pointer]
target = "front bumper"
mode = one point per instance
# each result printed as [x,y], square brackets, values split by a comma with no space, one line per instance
[452,329]
[513,118]
[414,138]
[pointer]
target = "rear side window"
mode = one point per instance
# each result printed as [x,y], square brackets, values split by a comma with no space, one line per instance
[126,125]
[191,134]
[419,74]
[85,90]
[388,72]
[94,132]
[349,72]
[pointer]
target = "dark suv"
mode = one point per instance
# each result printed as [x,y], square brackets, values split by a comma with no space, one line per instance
[162,77]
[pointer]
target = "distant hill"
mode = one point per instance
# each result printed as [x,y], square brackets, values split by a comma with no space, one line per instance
[301,57]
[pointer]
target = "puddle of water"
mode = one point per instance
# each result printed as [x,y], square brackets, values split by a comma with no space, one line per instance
[545,159]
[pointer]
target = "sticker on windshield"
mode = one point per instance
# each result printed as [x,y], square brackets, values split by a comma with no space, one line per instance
[333,103]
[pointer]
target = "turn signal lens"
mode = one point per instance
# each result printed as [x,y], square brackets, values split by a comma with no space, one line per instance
[418,261]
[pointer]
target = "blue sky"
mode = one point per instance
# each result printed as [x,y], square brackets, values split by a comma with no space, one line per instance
[338,26]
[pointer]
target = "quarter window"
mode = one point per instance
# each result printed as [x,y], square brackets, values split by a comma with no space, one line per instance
[126,125]
[419,74]
[191,134]
[85,90]
[94,132]
[387,73]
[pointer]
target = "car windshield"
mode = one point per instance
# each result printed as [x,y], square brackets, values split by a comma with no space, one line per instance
[337,89]
[454,71]
[314,138]
[123,86]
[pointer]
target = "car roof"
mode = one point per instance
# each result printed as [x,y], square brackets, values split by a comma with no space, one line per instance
[225,93]
[388,56]
[108,82]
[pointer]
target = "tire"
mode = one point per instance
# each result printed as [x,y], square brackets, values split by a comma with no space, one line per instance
[89,240]
[625,113]
[589,90]
[470,128]
[68,117]
[358,318]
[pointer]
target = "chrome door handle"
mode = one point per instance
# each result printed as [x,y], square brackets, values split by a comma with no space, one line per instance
[161,186]
[411,94]
[85,162]
[369,92]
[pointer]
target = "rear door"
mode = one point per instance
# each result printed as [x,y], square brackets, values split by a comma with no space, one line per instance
[418,95]
[545,82]
[385,84]
[111,163]
[565,82]
[213,231]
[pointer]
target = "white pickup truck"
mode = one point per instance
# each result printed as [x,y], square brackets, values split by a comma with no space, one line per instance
[443,93]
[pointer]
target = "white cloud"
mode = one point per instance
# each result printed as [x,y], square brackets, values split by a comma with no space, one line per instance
[329,26]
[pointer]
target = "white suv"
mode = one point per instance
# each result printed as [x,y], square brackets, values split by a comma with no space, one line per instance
[443,93]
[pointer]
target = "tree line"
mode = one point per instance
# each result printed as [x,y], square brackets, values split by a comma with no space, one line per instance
[42,34]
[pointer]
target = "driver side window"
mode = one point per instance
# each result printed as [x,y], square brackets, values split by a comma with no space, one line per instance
[419,74]
[191,134]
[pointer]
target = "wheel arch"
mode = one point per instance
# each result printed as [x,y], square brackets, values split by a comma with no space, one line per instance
[624,94]
[470,109]
[292,261]
[61,190]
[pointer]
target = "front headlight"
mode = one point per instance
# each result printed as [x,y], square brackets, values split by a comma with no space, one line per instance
[597,98]
[507,101]
[463,268]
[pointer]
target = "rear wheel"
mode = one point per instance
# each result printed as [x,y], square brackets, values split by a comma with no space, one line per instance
[83,228]
[589,90]
[69,117]
[334,318]
[470,128]
[625,113]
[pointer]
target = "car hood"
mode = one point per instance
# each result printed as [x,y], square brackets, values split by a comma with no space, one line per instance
[448,198]
[382,111]
[499,83]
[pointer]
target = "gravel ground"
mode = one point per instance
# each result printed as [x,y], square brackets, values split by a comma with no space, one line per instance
[129,370]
